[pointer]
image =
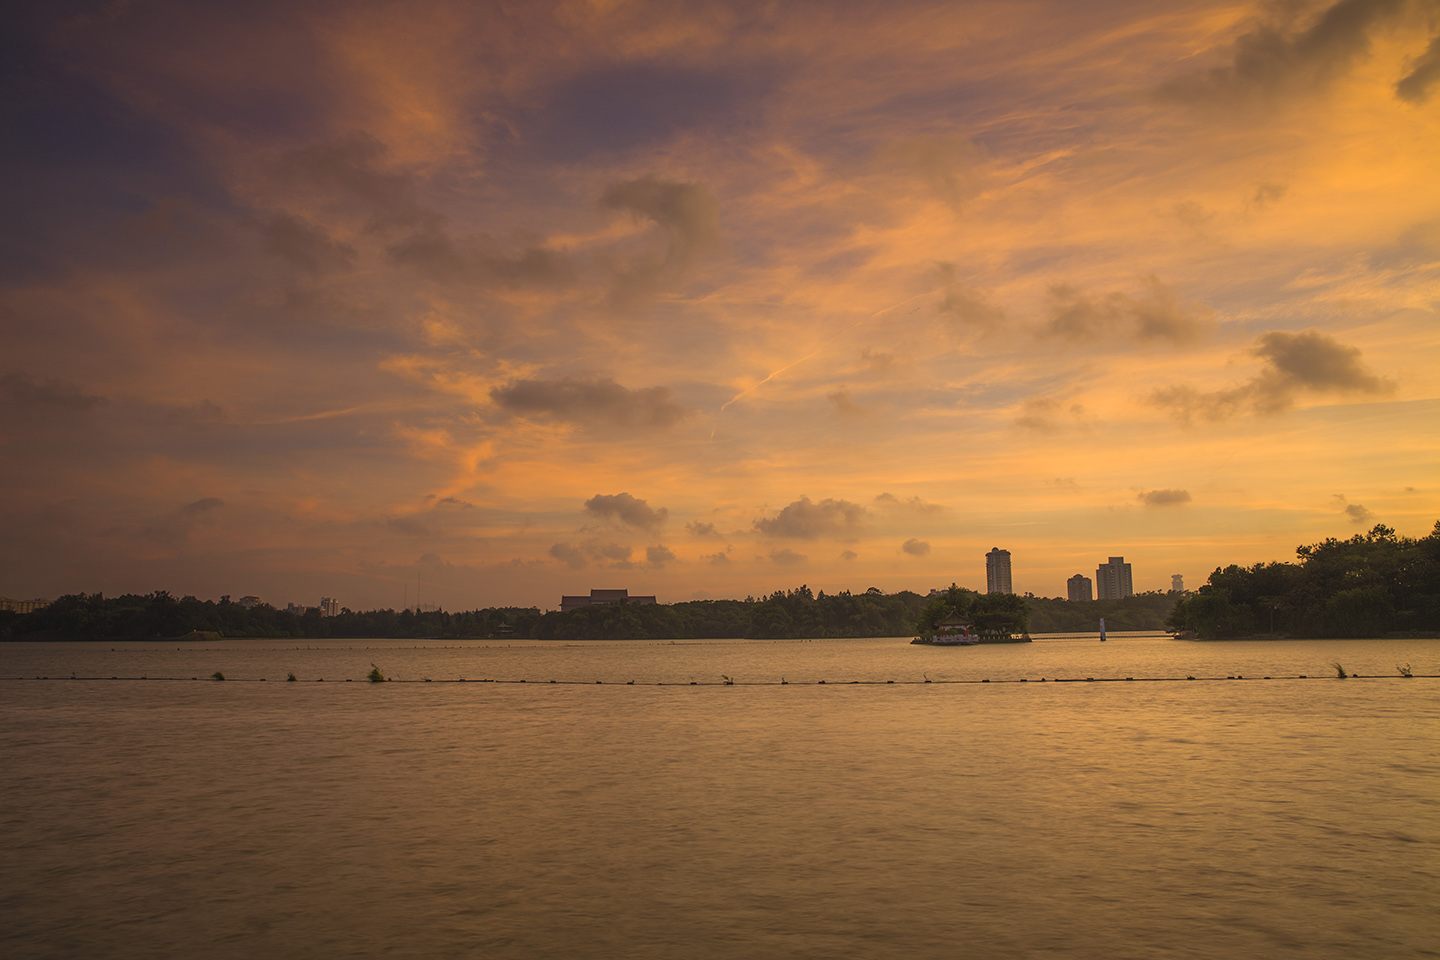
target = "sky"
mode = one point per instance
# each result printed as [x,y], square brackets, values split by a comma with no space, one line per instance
[488,303]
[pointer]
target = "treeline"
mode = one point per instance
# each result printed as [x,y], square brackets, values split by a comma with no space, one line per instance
[788,614]
[1143,611]
[155,615]
[783,615]
[1367,586]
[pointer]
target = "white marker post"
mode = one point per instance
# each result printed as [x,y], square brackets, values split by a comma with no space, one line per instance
[1102,629]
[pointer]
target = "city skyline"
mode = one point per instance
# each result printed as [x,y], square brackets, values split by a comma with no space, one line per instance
[319,299]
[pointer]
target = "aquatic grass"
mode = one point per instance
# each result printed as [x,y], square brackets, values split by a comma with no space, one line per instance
[1340,673]
[375,676]
[1405,670]
[217,675]
[290,677]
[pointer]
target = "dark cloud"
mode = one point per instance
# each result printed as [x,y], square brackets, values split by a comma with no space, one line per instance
[304,245]
[354,167]
[684,212]
[201,507]
[1164,498]
[619,107]
[432,253]
[568,554]
[626,509]
[18,390]
[1289,55]
[804,520]
[848,555]
[845,405]
[700,528]
[1424,74]
[1047,415]
[1265,195]
[716,558]
[1155,315]
[1294,363]
[410,526]
[967,307]
[595,402]
[1357,513]
[618,552]
[659,555]
[171,529]
[970,309]
[916,548]
[948,165]
[876,359]
[787,556]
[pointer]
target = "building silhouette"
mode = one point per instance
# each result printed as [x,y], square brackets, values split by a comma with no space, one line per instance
[1079,587]
[329,607]
[1177,583]
[599,597]
[1112,580]
[997,571]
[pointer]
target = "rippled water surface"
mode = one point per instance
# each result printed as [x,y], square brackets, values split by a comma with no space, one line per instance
[1175,818]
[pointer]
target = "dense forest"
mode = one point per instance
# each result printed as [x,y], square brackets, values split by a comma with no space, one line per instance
[1367,586]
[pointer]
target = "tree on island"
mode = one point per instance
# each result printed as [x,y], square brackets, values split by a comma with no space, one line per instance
[993,614]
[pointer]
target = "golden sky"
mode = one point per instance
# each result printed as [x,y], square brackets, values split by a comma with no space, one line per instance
[709,299]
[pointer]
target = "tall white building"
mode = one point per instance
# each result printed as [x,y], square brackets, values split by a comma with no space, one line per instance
[329,607]
[997,571]
[1112,580]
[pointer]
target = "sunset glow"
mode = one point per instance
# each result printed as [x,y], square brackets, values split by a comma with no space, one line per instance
[708,300]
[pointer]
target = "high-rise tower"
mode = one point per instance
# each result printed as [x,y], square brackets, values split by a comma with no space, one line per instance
[1112,580]
[997,571]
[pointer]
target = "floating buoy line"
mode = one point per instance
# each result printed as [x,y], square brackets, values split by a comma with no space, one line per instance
[728,682]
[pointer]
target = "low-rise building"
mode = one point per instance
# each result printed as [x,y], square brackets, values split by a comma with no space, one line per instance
[22,606]
[599,597]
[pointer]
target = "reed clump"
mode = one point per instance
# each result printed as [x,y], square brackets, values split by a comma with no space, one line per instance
[290,677]
[1405,670]
[375,676]
[1340,673]
[217,675]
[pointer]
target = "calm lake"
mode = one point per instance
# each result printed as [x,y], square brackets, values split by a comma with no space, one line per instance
[1159,817]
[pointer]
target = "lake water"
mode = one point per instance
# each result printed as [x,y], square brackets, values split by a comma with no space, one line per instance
[1159,817]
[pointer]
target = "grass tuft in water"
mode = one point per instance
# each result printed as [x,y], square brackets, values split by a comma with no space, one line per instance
[290,677]
[1405,670]
[217,675]
[375,675]
[1340,673]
